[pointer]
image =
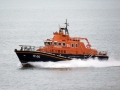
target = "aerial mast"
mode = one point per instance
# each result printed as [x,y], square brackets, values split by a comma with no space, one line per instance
[66,30]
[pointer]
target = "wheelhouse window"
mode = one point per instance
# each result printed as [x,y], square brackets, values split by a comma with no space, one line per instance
[55,43]
[48,43]
[64,44]
[59,44]
[45,43]
[76,45]
[72,45]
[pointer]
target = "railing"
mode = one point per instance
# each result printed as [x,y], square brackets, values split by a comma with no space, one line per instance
[90,53]
[103,53]
[28,48]
[75,38]
[33,48]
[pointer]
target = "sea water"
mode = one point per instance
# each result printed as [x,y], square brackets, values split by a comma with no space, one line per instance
[30,22]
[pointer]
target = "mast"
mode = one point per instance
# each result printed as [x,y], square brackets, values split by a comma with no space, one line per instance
[66,30]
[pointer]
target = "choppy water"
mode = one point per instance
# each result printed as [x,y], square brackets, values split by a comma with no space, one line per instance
[29,22]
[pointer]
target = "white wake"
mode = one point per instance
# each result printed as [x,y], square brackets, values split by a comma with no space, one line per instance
[76,63]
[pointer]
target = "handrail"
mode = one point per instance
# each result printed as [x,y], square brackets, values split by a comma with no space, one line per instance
[90,54]
[75,38]
[29,48]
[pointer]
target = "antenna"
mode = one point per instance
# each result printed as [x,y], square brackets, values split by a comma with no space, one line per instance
[66,30]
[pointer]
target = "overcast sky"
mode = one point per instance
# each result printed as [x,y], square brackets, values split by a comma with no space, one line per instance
[65,4]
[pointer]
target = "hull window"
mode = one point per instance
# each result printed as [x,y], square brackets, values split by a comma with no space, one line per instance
[58,51]
[64,51]
[61,51]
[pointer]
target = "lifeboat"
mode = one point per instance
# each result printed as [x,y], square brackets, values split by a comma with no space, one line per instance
[61,47]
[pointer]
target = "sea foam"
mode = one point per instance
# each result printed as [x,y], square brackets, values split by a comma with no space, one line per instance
[76,63]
